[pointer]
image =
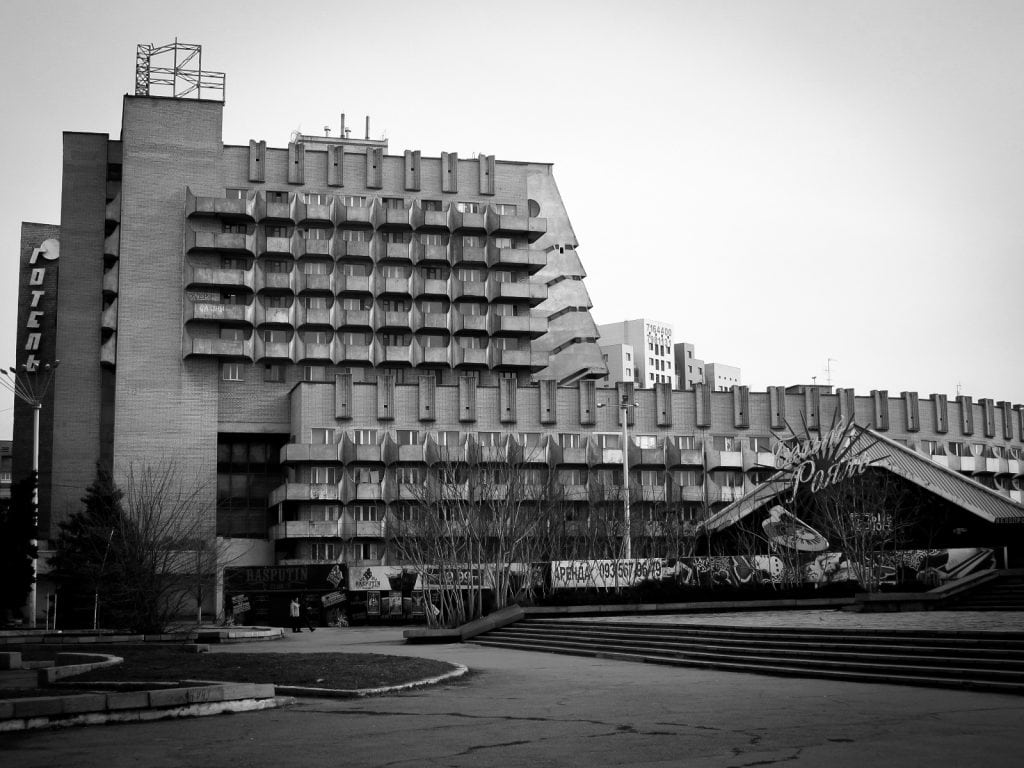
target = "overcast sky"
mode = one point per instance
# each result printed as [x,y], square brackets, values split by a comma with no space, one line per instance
[782,182]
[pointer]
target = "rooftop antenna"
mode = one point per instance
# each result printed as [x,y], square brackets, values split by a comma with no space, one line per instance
[828,370]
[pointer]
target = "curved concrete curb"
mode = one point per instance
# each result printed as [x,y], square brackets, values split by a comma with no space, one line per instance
[133,706]
[199,635]
[355,693]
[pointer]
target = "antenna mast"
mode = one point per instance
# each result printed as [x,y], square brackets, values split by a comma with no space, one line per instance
[185,76]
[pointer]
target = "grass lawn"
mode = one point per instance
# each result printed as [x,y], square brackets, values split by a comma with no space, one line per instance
[171,663]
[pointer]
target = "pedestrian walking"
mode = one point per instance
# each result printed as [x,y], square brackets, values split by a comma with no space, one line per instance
[295,610]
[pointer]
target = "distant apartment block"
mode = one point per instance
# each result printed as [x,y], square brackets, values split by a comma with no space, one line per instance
[721,377]
[651,342]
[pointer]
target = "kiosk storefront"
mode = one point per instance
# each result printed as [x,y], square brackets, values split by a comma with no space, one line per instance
[261,594]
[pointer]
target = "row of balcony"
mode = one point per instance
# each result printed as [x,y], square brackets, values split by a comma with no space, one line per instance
[495,287]
[332,211]
[373,354]
[345,528]
[546,452]
[414,320]
[377,249]
[979,465]
[389,490]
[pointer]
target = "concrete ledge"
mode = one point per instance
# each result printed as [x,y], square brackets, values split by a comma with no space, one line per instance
[130,706]
[80,637]
[702,607]
[66,666]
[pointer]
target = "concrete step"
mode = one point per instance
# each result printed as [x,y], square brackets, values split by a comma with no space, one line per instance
[779,669]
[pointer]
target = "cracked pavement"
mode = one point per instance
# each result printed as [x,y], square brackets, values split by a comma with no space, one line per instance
[525,708]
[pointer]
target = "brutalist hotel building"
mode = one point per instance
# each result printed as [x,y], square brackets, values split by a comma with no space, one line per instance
[303,328]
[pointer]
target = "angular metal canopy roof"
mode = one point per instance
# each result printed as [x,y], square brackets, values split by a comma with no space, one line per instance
[880,451]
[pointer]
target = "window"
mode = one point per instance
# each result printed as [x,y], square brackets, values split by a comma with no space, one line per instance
[468,275]
[646,441]
[233,298]
[572,476]
[685,442]
[231,228]
[328,512]
[691,477]
[957,449]
[354,270]
[432,205]
[727,478]
[316,267]
[529,439]
[433,307]
[314,373]
[629,357]
[364,436]
[393,203]
[569,440]
[505,209]
[433,340]
[471,342]
[608,440]
[236,193]
[607,477]
[761,444]
[449,438]
[275,230]
[232,334]
[473,241]
[323,474]
[932,448]
[234,262]
[351,303]
[317,337]
[433,239]
[273,373]
[277,197]
[353,201]
[315,302]
[316,233]
[396,237]
[652,477]
[465,207]
[725,443]
[489,439]
[407,436]
[399,271]
[277,300]
[323,551]
[365,550]
[232,372]
[277,266]
[354,338]
[317,198]
[356,235]
[409,475]
[395,339]
[366,475]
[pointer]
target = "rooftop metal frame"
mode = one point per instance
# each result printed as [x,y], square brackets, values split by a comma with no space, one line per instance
[185,78]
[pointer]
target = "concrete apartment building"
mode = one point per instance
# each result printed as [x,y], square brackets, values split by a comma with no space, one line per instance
[650,343]
[304,328]
[721,377]
[6,469]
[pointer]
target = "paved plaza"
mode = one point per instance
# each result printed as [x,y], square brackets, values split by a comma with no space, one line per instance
[534,709]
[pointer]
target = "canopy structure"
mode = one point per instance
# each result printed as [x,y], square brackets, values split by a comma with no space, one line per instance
[881,452]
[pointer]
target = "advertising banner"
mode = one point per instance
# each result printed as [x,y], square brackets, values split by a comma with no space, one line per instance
[605,574]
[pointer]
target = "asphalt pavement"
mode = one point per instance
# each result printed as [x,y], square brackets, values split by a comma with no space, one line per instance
[519,708]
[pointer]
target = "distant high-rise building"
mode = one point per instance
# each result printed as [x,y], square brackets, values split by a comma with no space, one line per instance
[721,377]
[651,342]
[689,369]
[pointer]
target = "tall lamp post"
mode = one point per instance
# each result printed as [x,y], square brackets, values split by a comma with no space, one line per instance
[627,540]
[30,385]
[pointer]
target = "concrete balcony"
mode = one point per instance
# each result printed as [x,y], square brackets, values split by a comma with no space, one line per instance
[358,319]
[430,220]
[112,213]
[319,317]
[239,209]
[393,286]
[275,213]
[426,288]
[970,464]
[295,453]
[108,351]
[232,313]
[472,222]
[282,351]
[393,321]
[516,325]
[313,214]
[221,348]
[724,459]
[303,492]
[310,246]
[435,355]
[112,244]
[108,318]
[997,466]
[471,255]
[276,281]
[531,294]
[315,283]
[430,321]
[306,529]
[314,352]
[275,246]
[274,315]
[354,214]
[201,277]
[219,242]
[469,358]
[354,353]
[475,325]
[353,284]
[508,225]
[392,218]
[468,289]
[392,354]
[110,278]
[351,249]
[516,258]
[758,459]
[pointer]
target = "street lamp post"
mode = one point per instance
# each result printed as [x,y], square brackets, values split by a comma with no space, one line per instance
[30,386]
[627,539]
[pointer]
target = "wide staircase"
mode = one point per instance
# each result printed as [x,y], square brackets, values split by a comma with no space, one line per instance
[1005,593]
[988,661]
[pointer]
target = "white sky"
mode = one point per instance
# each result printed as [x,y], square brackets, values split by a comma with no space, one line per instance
[783,182]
